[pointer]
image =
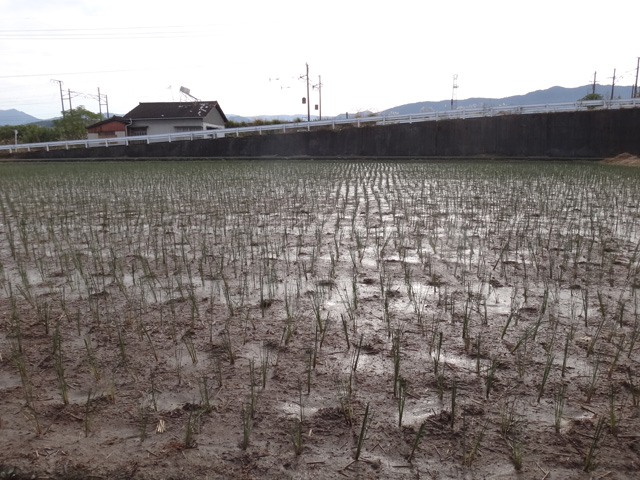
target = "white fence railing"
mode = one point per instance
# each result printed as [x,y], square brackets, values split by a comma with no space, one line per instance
[298,126]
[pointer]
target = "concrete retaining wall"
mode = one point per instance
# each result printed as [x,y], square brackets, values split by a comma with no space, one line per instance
[591,134]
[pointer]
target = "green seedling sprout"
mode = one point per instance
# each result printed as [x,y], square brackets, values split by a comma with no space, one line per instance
[366,422]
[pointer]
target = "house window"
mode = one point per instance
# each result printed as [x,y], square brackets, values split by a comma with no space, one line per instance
[136,131]
[188,129]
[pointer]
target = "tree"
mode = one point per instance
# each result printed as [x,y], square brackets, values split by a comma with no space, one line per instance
[591,96]
[6,134]
[36,133]
[74,122]
[28,133]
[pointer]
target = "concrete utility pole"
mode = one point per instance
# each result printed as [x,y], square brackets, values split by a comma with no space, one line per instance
[635,87]
[70,107]
[613,84]
[61,97]
[100,102]
[593,90]
[320,95]
[308,100]
[454,96]
[319,87]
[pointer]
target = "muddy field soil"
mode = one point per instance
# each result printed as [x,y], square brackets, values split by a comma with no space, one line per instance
[319,319]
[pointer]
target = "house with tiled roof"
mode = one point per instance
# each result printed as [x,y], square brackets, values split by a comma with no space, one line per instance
[113,127]
[174,117]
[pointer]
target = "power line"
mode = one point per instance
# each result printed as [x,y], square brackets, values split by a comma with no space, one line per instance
[58,74]
[109,28]
[110,33]
[89,36]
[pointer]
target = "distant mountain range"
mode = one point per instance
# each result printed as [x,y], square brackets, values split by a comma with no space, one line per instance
[550,95]
[282,118]
[16,117]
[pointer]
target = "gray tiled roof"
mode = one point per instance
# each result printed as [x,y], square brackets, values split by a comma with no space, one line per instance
[174,110]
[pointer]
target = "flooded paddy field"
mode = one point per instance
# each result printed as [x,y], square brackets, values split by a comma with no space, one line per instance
[319,319]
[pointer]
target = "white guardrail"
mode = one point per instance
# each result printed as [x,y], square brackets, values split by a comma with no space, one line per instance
[298,126]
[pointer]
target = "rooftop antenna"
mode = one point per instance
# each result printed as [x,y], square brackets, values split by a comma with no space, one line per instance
[454,93]
[187,93]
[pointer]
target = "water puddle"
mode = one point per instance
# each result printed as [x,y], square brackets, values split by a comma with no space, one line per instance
[292,409]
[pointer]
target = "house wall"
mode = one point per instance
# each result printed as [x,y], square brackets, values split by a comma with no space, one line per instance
[105,134]
[108,127]
[214,119]
[159,127]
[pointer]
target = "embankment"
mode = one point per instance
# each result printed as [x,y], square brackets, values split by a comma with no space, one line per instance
[588,134]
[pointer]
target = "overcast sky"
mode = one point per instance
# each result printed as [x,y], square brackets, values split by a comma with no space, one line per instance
[249,55]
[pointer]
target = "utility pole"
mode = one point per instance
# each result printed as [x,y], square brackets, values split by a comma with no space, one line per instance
[320,95]
[613,84]
[70,107]
[593,90]
[455,87]
[319,87]
[306,99]
[100,102]
[61,97]
[308,102]
[453,90]
[635,87]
